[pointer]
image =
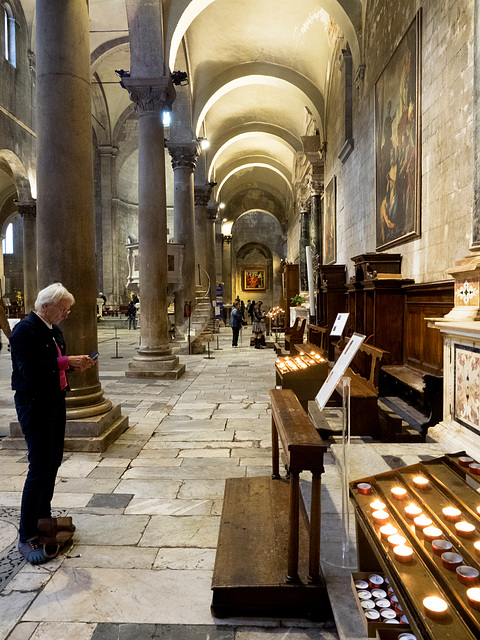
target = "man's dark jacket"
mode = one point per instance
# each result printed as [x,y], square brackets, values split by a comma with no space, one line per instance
[34,356]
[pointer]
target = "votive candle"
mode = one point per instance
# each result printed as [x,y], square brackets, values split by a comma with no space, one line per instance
[398,492]
[412,511]
[403,553]
[421,522]
[396,540]
[432,533]
[380,517]
[473,595]
[421,482]
[451,514]
[378,504]
[465,529]
[388,530]
[435,607]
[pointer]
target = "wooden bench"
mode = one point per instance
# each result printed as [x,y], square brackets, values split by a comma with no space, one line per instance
[268,558]
[364,374]
[417,378]
[318,336]
[294,335]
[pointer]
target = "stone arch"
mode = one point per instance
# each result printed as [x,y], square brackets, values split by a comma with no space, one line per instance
[11,164]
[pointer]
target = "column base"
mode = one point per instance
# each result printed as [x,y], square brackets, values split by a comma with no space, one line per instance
[92,434]
[166,367]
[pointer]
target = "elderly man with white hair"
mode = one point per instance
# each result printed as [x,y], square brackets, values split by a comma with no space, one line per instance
[39,379]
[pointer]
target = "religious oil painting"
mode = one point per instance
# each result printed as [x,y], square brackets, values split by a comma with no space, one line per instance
[467,387]
[330,223]
[397,143]
[254,279]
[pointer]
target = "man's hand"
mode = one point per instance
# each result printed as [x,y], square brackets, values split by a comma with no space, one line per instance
[80,363]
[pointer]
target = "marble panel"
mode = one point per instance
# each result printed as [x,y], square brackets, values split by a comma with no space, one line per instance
[27,580]
[23,631]
[125,595]
[258,633]
[185,472]
[63,630]
[118,557]
[202,489]
[12,607]
[204,453]
[11,483]
[106,472]
[186,531]
[115,462]
[251,452]
[152,488]
[157,506]
[158,454]
[70,500]
[76,468]
[85,485]
[173,423]
[114,530]
[198,436]
[182,559]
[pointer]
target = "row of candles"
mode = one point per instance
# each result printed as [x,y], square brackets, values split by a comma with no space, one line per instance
[434,606]
[379,602]
[302,361]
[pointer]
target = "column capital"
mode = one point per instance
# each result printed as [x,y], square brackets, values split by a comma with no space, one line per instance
[212,212]
[150,95]
[27,209]
[184,154]
[107,150]
[227,239]
[202,195]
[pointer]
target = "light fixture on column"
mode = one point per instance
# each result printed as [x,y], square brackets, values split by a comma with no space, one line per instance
[204,143]
[179,78]
[222,205]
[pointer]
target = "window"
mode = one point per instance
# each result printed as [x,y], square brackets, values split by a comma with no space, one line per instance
[7,242]
[9,35]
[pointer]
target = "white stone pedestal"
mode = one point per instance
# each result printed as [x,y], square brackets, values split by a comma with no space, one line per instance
[460,428]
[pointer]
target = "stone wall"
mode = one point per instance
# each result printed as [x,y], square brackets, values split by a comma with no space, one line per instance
[447,134]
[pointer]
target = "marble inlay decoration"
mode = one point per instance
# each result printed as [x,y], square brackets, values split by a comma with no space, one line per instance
[467,293]
[467,387]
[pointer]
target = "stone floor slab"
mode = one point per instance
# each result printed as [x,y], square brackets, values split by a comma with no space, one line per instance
[181,559]
[156,506]
[120,557]
[114,530]
[186,531]
[128,595]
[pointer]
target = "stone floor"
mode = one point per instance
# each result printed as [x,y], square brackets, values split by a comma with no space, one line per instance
[147,510]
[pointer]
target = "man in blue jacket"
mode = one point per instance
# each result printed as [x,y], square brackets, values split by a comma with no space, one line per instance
[235,322]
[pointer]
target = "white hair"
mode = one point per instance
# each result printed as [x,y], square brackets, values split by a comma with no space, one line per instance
[51,295]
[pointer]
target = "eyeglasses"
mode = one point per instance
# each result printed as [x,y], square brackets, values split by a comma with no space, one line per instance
[65,312]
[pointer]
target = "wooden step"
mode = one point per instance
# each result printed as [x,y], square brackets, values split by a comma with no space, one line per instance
[249,577]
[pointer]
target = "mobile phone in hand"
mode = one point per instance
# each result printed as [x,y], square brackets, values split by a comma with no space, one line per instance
[93,355]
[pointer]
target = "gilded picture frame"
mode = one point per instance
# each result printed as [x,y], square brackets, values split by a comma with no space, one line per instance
[397,143]
[254,279]
[329,227]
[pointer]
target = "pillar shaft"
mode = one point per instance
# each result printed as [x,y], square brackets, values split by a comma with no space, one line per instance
[184,157]
[210,248]
[107,260]
[28,212]
[304,241]
[202,197]
[227,269]
[65,215]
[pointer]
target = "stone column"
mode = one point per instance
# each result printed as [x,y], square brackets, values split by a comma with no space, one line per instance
[227,269]
[202,198]
[155,359]
[28,211]
[184,156]
[304,241]
[109,266]
[210,247]
[65,211]
[316,218]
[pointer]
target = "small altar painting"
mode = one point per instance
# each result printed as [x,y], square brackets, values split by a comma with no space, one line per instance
[254,279]
[171,262]
[467,387]
[466,293]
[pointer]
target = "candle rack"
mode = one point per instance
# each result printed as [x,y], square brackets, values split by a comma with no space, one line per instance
[450,484]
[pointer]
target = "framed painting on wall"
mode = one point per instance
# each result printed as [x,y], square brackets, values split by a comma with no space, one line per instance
[329,231]
[397,143]
[254,279]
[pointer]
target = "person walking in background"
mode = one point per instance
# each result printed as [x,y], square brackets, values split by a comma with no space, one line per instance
[131,314]
[236,323]
[251,309]
[258,326]
[4,326]
[242,309]
[39,380]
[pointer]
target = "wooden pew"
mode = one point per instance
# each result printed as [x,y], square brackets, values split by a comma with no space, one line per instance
[318,336]
[418,380]
[268,558]
[364,374]
[294,335]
